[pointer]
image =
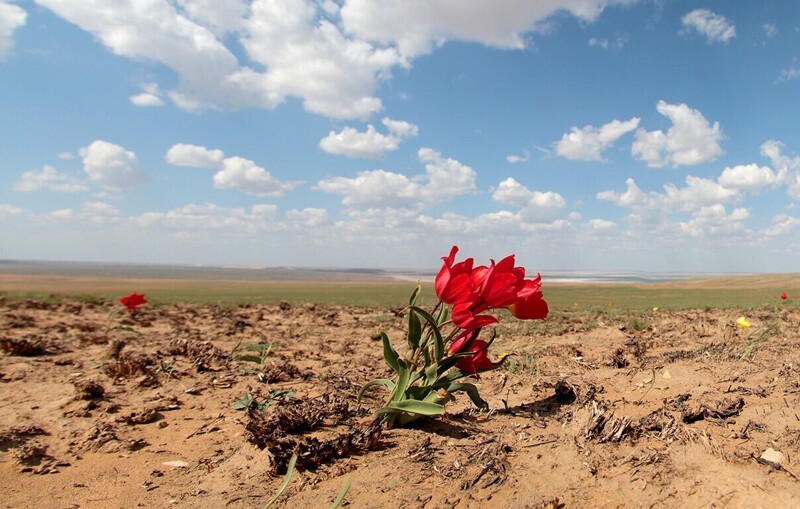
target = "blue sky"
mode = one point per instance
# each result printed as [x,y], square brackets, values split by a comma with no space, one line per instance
[580,135]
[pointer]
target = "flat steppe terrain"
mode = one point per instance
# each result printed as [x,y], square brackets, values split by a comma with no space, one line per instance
[608,403]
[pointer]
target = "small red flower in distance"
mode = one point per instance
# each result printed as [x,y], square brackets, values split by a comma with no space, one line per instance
[133,301]
[783,296]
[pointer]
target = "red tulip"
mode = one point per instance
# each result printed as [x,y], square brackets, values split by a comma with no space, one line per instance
[499,284]
[471,291]
[466,315]
[783,296]
[453,282]
[533,307]
[478,361]
[463,340]
[133,301]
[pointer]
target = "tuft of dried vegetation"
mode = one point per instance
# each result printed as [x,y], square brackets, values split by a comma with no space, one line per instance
[131,365]
[25,347]
[88,390]
[282,430]
[203,355]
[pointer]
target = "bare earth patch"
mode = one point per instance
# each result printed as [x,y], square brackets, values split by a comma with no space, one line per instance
[204,407]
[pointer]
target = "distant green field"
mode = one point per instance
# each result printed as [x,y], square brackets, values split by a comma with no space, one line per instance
[392,293]
[643,297]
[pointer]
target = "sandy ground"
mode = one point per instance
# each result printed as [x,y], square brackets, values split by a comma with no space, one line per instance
[592,410]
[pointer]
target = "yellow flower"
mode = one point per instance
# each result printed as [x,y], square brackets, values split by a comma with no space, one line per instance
[655,309]
[742,322]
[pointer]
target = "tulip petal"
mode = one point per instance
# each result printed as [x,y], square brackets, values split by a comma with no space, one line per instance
[532,308]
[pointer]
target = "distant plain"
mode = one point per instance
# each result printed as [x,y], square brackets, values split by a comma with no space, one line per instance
[365,287]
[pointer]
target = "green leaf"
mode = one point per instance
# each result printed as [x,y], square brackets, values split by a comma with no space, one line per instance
[403,375]
[418,393]
[471,391]
[235,348]
[431,373]
[244,402]
[443,315]
[449,378]
[340,496]
[438,348]
[256,347]
[378,381]
[392,359]
[285,483]
[413,407]
[248,358]
[414,330]
[413,300]
[447,363]
[282,393]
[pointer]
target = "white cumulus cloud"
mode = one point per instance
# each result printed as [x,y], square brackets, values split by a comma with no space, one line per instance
[698,192]
[633,197]
[150,96]
[92,213]
[369,144]
[208,216]
[111,167]
[691,139]
[400,128]
[535,206]
[12,17]
[310,217]
[153,30]
[714,221]
[393,226]
[373,187]
[601,225]
[196,156]
[48,179]
[309,56]
[787,168]
[7,210]
[782,225]
[221,17]
[589,142]
[416,27]
[514,158]
[748,177]
[662,213]
[333,56]
[246,176]
[444,179]
[714,27]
